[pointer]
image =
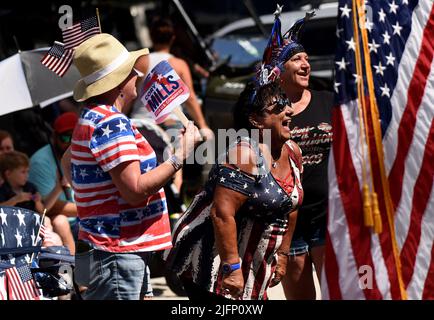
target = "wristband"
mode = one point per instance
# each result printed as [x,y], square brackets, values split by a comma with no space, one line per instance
[175,162]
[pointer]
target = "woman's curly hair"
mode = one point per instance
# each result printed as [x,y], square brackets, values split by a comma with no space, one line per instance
[253,101]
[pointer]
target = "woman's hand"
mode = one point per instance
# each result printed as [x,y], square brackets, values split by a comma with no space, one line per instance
[188,140]
[279,273]
[233,284]
[22,197]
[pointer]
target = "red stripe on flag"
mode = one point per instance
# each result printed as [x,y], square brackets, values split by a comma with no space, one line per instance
[385,236]
[428,290]
[332,270]
[415,94]
[421,195]
[349,188]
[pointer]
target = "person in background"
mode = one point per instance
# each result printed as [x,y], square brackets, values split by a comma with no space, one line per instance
[44,174]
[311,129]
[162,36]
[117,183]
[6,145]
[16,191]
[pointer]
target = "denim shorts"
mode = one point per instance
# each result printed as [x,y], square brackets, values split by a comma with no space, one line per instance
[308,233]
[113,276]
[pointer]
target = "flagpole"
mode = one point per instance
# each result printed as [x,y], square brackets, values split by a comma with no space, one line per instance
[364,136]
[375,118]
[99,22]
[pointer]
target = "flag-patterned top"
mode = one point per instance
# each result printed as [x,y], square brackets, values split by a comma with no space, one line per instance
[103,139]
[80,31]
[360,264]
[262,222]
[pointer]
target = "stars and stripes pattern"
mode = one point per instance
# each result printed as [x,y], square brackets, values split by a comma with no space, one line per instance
[399,261]
[103,139]
[21,285]
[80,31]
[58,59]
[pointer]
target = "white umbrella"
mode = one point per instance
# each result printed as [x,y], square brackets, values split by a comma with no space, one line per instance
[25,82]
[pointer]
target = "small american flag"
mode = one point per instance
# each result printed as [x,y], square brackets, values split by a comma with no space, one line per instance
[42,231]
[80,31]
[21,285]
[58,59]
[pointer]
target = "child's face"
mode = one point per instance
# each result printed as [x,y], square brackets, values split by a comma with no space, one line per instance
[17,177]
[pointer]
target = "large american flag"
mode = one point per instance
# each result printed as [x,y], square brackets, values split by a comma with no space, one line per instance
[80,31]
[58,59]
[398,262]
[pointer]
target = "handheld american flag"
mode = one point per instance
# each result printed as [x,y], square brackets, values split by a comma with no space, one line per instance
[163,91]
[21,285]
[58,59]
[80,31]
[380,236]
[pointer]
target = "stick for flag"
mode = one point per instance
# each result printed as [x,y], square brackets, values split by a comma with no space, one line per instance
[39,230]
[181,116]
[99,22]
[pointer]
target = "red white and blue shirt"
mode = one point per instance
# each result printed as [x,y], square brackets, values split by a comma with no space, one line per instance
[104,138]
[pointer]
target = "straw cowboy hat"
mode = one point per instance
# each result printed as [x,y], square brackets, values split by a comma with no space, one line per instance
[103,63]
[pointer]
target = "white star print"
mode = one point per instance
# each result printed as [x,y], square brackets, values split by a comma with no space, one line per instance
[83,173]
[159,77]
[274,200]
[373,46]
[338,32]
[336,85]
[232,174]
[33,236]
[405,2]
[342,64]
[3,216]
[279,191]
[393,7]
[255,195]
[390,59]
[379,69]
[351,44]
[385,91]
[356,77]
[386,37]
[19,239]
[148,168]
[345,11]
[98,172]
[267,190]
[245,186]
[271,183]
[99,225]
[122,126]
[397,28]
[382,15]
[107,131]
[21,216]
[278,10]
[222,179]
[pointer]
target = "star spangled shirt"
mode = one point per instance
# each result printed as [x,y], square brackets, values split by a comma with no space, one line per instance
[103,139]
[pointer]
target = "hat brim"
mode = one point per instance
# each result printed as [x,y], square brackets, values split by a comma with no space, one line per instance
[82,91]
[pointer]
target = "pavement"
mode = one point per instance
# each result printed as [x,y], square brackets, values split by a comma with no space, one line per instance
[163,292]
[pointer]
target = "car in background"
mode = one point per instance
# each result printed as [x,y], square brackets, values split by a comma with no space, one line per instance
[239,47]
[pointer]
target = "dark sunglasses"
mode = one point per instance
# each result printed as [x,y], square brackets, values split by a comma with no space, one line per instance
[279,105]
[65,138]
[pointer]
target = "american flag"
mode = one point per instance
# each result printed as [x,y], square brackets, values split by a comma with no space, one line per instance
[80,31]
[398,262]
[21,285]
[58,59]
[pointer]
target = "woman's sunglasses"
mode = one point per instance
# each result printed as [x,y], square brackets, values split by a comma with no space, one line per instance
[65,138]
[279,105]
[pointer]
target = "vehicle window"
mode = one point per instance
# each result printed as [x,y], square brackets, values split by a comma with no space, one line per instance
[242,51]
